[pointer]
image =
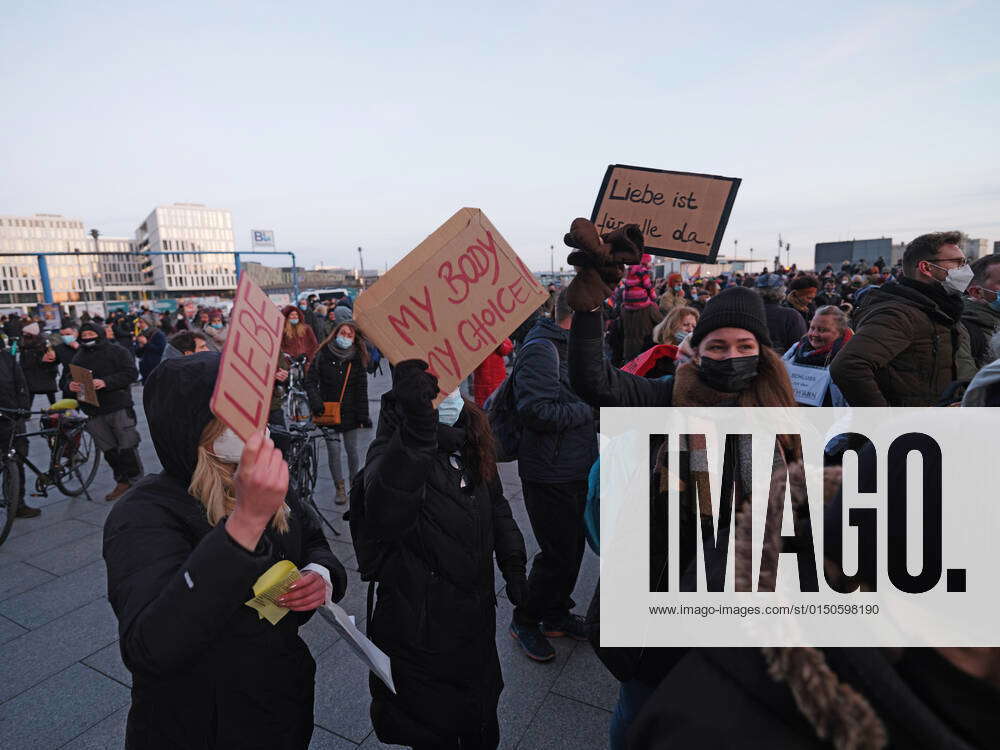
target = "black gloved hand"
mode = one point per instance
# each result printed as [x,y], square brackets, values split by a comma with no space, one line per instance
[413,387]
[517,590]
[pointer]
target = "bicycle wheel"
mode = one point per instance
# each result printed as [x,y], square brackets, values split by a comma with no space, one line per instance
[10,485]
[304,474]
[74,462]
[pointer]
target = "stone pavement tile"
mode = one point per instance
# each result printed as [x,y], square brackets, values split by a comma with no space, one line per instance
[526,683]
[108,661]
[56,645]
[342,696]
[97,512]
[108,734]
[324,740]
[55,598]
[563,723]
[44,539]
[318,634]
[59,709]
[18,576]
[586,582]
[70,556]
[9,630]
[60,509]
[586,679]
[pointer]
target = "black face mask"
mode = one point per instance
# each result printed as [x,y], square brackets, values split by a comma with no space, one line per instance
[89,343]
[729,375]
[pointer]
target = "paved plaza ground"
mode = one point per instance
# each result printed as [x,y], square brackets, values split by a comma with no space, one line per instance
[63,685]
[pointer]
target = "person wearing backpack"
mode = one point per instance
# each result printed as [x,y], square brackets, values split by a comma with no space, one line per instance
[427,528]
[557,448]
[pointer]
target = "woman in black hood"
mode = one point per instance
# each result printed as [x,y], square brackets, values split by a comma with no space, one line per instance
[184,548]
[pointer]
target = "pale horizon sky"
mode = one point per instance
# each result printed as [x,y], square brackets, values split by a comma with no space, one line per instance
[338,125]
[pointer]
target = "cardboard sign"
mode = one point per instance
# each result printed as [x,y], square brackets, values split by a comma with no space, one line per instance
[452,300]
[85,377]
[242,396]
[681,214]
[809,383]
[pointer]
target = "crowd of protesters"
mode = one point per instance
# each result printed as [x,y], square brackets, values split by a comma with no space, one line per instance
[429,518]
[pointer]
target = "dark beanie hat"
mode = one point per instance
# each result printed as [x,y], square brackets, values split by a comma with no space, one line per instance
[733,307]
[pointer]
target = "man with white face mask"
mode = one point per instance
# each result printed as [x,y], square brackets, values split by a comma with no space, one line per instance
[910,345]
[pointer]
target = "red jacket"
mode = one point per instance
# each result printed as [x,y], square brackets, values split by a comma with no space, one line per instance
[303,343]
[490,374]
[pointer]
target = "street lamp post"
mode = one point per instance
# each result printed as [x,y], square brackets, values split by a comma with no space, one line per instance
[100,273]
[361,270]
[83,281]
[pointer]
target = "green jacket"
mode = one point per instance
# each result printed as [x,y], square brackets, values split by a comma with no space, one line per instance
[906,352]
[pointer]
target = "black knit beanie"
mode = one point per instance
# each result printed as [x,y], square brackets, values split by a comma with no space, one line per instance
[733,307]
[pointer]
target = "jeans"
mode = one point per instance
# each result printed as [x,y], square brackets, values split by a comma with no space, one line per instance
[349,440]
[631,697]
[556,515]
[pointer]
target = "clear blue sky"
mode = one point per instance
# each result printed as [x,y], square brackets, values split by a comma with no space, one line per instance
[343,124]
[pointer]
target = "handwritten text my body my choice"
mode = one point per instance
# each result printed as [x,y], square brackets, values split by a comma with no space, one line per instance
[473,273]
[648,196]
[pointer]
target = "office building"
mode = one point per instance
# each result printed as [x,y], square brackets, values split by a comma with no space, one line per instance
[975,248]
[183,228]
[853,251]
[117,268]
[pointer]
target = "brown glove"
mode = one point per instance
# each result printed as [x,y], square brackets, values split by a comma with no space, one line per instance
[599,261]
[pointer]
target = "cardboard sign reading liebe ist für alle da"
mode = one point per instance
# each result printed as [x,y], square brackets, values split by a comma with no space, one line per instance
[681,214]
[452,300]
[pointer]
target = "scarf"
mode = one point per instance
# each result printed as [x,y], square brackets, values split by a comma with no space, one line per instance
[342,354]
[805,355]
[947,302]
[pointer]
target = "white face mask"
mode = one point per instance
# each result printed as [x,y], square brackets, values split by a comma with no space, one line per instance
[229,447]
[450,408]
[957,279]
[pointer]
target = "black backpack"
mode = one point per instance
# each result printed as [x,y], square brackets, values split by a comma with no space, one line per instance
[501,408]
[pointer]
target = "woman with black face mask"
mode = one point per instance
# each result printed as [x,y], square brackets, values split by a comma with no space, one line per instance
[733,364]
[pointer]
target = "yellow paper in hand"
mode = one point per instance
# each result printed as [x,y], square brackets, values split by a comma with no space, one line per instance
[273,583]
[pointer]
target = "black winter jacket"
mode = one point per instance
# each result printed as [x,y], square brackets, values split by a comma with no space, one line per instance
[64,355]
[324,381]
[113,364]
[208,672]
[435,615]
[597,381]
[784,324]
[559,438]
[14,393]
[41,376]
[150,354]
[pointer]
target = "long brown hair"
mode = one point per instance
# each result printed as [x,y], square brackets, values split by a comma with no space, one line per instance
[772,386]
[359,340]
[299,330]
[480,450]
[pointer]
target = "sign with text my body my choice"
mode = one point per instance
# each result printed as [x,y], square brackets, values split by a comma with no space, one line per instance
[242,396]
[681,214]
[452,300]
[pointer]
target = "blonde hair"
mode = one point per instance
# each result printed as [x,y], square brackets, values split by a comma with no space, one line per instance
[212,482]
[666,328]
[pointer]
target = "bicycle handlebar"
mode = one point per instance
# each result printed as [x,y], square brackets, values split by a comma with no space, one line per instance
[18,413]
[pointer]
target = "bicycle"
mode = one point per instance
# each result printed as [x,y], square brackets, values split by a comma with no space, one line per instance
[295,403]
[73,458]
[303,465]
